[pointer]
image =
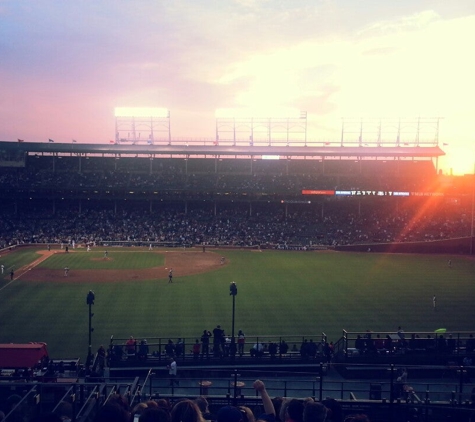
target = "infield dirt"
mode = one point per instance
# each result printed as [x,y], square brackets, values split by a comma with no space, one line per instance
[183,263]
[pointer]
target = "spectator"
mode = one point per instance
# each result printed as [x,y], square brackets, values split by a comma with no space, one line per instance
[186,411]
[257,350]
[314,412]
[292,411]
[196,349]
[130,346]
[241,342]
[229,414]
[360,417]
[143,350]
[269,410]
[203,405]
[154,414]
[172,372]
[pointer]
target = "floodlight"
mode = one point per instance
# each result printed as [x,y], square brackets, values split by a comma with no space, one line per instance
[141,112]
[273,112]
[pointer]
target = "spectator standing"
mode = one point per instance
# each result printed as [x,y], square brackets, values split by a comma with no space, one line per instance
[196,349]
[172,372]
[241,341]
[218,340]
[143,350]
[205,343]
[130,346]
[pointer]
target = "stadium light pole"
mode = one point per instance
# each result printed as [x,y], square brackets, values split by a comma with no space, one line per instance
[90,301]
[233,293]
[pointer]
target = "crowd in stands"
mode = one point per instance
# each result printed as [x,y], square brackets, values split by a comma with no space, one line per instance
[154,409]
[216,345]
[165,175]
[184,185]
[268,227]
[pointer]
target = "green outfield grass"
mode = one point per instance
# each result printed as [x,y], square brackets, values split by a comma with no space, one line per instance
[279,293]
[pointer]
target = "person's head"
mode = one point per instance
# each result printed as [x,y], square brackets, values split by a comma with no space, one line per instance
[112,411]
[229,414]
[46,417]
[139,409]
[294,410]
[202,404]
[334,410]
[246,413]
[186,411]
[163,404]
[120,401]
[360,417]
[154,414]
[314,412]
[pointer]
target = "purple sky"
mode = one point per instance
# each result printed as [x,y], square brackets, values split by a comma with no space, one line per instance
[65,66]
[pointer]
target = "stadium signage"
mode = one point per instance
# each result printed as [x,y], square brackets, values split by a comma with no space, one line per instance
[367,193]
[370,193]
[317,192]
[427,194]
[294,201]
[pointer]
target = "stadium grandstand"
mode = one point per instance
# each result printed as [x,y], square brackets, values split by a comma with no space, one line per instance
[286,196]
[225,194]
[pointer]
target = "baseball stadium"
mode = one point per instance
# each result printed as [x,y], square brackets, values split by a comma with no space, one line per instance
[329,268]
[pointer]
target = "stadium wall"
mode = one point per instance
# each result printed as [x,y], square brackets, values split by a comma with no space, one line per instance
[463,245]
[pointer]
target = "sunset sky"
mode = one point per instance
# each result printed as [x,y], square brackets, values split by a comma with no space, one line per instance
[65,65]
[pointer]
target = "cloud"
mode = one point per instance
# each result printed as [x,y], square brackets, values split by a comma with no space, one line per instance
[415,21]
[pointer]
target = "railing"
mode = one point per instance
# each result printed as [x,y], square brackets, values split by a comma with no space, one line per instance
[238,386]
[451,393]
[437,343]
[159,350]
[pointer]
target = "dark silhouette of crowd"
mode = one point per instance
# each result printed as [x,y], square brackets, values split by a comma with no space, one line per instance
[116,408]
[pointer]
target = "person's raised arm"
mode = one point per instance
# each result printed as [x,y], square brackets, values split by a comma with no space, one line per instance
[266,400]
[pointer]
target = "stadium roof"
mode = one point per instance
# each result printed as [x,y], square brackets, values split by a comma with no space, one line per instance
[218,150]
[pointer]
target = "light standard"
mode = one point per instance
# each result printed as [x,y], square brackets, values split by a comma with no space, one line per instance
[233,293]
[90,301]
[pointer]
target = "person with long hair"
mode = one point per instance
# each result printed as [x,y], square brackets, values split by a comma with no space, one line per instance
[186,411]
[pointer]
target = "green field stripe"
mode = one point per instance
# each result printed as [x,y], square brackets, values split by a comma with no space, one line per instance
[279,293]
